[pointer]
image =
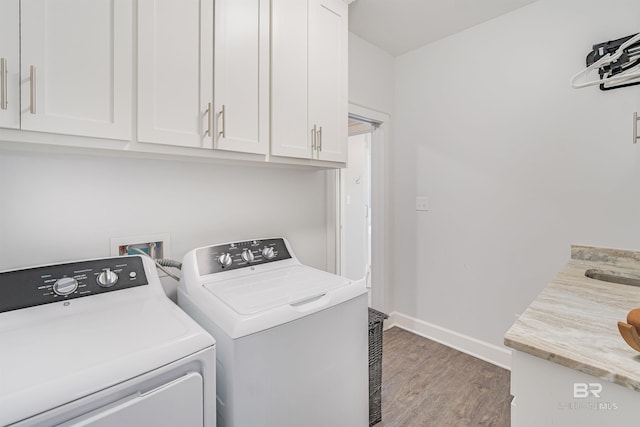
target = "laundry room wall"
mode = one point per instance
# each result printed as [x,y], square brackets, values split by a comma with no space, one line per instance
[517,165]
[371,72]
[371,85]
[57,207]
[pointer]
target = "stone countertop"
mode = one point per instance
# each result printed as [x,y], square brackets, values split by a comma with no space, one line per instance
[574,320]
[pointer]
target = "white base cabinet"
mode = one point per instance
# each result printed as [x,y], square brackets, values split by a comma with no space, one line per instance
[547,394]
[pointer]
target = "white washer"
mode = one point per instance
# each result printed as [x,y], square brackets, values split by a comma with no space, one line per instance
[292,341]
[97,343]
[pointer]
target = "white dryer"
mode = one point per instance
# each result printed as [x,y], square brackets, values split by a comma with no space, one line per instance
[291,340]
[97,343]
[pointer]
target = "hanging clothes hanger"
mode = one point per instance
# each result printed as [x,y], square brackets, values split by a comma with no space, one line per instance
[626,64]
[616,61]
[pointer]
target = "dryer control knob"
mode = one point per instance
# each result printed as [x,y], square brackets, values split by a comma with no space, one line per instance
[268,253]
[65,286]
[225,260]
[107,278]
[247,255]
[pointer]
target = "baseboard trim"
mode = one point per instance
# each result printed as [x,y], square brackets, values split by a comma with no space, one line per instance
[482,350]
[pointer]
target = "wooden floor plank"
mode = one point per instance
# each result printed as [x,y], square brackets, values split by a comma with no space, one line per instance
[425,384]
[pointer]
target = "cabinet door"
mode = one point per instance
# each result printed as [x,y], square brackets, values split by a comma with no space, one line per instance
[10,64]
[290,131]
[241,79]
[328,77]
[175,72]
[76,67]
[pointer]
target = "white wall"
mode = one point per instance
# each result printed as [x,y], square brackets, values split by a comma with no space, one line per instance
[371,85]
[371,73]
[516,163]
[58,207]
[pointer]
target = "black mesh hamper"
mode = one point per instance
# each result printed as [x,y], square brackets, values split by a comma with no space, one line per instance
[376,320]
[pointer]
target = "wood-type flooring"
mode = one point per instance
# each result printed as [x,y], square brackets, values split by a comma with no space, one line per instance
[427,384]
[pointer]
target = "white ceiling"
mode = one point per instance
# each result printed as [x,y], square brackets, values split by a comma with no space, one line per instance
[398,26]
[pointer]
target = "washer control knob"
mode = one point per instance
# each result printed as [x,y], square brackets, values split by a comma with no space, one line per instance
[65,286]
[107,278]
[247,255]
[268,253]
[225,260]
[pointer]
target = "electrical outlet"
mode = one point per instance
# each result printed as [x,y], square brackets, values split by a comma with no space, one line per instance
[422,203]
[154,245]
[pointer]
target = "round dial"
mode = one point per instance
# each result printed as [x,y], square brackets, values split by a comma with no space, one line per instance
[268,253]
[65,286]
[247,255]
[225,260]
[107,278]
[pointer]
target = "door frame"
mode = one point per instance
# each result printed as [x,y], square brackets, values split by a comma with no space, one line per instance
[380,138]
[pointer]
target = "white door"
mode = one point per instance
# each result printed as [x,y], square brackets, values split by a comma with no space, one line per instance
[10,64]
[290,132]
[76,67]
[356,195]
[175,72]
[241,76]
[328,77]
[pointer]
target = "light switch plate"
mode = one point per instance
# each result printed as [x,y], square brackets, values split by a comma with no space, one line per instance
[422,203]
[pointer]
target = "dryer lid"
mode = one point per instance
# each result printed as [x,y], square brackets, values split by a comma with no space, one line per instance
[261,292]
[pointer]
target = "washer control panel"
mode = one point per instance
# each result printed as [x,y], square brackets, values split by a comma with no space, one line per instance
[231,256]
[54,283]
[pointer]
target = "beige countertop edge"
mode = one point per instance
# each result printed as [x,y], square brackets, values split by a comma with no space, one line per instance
[588,340]
[603,374]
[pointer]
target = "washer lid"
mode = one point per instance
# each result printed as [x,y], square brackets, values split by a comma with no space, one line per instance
[260,292]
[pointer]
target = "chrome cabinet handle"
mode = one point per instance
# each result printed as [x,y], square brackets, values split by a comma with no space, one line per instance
[209,112]
[313,138]
[635,127]
[320,139]
[223,132]
[32,88]
[3,83]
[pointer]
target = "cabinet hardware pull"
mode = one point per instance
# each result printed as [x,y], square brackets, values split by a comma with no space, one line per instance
[223,132]
[3,85]
[32,88]
[635,127]
[320,139]
[313,139]
[209,112]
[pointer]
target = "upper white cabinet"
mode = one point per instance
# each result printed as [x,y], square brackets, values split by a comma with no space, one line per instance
[76,67]
[328,67]
[10,64]
[204,82]
[241,75]
[175,72]
[236,79]
[309,79]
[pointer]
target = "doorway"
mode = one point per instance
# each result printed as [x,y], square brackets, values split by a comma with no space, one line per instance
[360,205]
[355,182]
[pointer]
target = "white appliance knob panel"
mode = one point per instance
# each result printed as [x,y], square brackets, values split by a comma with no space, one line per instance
[65,286]
[107,278]
[247,255]
[268,253]
[225,260]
